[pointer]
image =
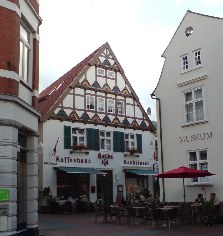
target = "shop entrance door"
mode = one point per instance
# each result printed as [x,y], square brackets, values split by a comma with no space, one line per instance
[105,187]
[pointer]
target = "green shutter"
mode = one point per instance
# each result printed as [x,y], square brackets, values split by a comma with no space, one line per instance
[67,137]
[93,139]
[139,142]
[118,141]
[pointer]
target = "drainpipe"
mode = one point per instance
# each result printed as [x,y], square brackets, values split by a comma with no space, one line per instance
[161,142]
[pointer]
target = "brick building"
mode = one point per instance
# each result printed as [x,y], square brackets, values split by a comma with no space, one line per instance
[19,82]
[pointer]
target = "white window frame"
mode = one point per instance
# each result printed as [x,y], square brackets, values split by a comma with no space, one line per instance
[184,62]
[199,162]
[130,141]
[101,104]
[111,106]
[192,107]
[25,53]
[90,102]
[120,107]
[197,58]
[100,72]
[78,136]
[111,74]
[105,140]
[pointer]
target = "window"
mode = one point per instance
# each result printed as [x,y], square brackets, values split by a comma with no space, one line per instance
[185,62]
[120,107]
[198,160]
[101,104]
[105,140]
[100,72]
[130,142]
[110,74]
[24,53]
[197,57]
[78,137]
[194,105]
[90,102]
[111,106]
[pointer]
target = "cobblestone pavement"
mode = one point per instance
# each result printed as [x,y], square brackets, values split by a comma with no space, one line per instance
[82,224]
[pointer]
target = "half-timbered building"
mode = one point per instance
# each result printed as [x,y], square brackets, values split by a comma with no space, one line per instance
[95,132]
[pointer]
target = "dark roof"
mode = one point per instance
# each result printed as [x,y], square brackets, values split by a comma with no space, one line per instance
[51,94]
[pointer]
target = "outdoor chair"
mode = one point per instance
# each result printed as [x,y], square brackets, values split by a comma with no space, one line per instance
[121,214]
[111,211]
[99,211]
[172,216]
[185,213]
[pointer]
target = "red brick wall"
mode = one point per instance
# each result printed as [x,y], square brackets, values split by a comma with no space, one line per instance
[35,84]
[9,86]
[9,40]
[15,1]
[35,5]
[35,81]
[9,48]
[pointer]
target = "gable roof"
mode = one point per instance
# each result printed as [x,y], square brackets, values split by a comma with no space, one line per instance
[187,13]
[164,53]
[57,91]
[52,93]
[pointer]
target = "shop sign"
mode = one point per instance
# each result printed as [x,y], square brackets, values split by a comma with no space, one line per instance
[136,163]
[104,158]
[196,137]
[72,160]
[4,195]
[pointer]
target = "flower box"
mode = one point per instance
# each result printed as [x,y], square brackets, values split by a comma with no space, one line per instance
[79,148]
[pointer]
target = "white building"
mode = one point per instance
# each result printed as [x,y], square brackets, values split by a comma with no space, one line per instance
[190,122]
[93,105]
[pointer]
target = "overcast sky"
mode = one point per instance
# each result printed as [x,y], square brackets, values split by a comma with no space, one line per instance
[138,32]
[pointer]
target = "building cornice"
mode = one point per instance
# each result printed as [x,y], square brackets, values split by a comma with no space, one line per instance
[35,12]
[17,124]
[19,102]
[9,75]
[192,80]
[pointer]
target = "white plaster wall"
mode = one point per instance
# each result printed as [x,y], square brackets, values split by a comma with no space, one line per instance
[120,81]
[14,112]
[69,100]
[91,74]
[28,13]
[25,94]
[172,105]
[79,103]
[116,164]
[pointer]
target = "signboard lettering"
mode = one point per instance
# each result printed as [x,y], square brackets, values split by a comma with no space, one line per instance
[196,137]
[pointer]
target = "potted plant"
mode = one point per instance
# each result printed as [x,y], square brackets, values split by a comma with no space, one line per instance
[132,151]
[78,148]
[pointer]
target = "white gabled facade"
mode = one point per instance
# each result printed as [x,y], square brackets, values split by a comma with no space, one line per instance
[98,109]
[187,94]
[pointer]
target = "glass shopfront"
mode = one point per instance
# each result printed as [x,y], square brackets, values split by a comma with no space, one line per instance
[74,185]
[135,184]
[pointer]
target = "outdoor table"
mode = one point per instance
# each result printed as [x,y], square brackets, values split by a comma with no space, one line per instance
[170,213]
